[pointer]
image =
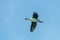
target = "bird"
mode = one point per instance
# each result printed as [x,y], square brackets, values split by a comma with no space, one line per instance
[34,21]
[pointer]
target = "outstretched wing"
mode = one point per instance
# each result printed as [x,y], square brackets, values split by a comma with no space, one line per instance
[35,15]
[33,26]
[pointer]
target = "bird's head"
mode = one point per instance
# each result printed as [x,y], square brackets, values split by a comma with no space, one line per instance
[26,18]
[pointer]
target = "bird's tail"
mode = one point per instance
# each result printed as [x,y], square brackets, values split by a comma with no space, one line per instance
[40,21]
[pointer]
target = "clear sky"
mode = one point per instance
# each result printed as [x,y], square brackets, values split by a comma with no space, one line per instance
[14,27]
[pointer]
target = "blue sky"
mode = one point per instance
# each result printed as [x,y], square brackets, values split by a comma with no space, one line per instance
[14,27]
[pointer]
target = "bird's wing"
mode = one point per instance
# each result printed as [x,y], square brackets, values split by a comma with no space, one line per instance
[33,26]
[35,15]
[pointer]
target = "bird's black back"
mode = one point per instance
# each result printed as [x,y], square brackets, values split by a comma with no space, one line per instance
[35,15]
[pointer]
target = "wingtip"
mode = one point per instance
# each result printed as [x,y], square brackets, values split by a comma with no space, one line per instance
[31,30]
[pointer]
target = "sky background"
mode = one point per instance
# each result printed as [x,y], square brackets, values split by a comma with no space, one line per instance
[13,25]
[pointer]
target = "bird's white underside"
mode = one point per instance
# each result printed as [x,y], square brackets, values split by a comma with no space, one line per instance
[33,19]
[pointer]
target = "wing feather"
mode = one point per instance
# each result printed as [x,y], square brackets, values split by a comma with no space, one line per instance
[33,26]
[35,15]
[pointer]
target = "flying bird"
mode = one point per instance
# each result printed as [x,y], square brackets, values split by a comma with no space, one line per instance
[34,21]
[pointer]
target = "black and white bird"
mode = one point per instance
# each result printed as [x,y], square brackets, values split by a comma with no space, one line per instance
[34,21]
